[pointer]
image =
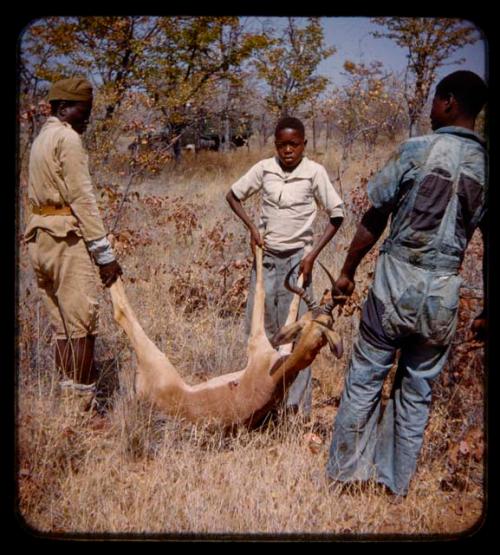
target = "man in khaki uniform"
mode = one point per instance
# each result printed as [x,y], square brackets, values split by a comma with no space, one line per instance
[65,232]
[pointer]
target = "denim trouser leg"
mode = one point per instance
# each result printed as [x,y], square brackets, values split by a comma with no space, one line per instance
[401,430]
[355,430]
[277,305]
[366,446]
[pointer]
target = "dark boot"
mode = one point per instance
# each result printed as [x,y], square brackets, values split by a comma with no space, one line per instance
[106,386]
[75,358]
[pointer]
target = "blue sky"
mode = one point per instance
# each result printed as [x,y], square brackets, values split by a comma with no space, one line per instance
[353,41]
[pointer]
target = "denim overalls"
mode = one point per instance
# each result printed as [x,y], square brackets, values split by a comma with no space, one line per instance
[434,189]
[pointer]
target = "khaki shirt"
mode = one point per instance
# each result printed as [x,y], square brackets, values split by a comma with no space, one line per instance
[59,174]
[289,200]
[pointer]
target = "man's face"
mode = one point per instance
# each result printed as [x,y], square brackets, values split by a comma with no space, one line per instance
[439,112]
[77,115]
[290,145]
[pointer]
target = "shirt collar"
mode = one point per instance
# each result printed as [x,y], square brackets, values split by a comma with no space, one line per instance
[53,120]
[462,132]
[303,171]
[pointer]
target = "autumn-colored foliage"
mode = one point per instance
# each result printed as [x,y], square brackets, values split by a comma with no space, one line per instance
[367,107]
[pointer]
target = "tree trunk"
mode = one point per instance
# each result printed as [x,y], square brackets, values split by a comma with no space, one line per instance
[263,130]
[413,129]
[328,133]
[227,134]
[314,132]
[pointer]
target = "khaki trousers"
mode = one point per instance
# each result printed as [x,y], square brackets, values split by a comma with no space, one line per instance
[67,281]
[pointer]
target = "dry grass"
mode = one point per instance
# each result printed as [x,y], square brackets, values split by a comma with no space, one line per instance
[186,261]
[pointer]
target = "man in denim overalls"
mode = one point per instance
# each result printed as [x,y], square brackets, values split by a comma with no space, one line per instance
[434,188]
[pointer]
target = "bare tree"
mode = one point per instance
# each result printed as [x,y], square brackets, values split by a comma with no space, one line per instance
[430,42]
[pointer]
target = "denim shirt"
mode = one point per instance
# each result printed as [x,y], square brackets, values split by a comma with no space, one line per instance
[434,187]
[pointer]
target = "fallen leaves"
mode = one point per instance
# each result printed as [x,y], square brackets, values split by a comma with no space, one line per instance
[313,442]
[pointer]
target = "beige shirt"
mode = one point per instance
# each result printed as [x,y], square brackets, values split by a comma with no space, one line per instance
[59,174]
[289,200]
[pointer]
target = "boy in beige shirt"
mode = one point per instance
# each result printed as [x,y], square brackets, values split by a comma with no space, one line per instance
[292,187]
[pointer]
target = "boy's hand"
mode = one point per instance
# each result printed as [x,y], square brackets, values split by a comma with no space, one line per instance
[255,239]
[345,284]
[305,268]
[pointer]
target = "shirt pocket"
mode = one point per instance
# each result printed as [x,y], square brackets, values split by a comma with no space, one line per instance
[439,313]
[297,194]
[272,189]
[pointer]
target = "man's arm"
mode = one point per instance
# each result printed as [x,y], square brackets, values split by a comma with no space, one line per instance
[369,230]
[79,194]
[306,264]
[237,208]
[103,255]
[383,192]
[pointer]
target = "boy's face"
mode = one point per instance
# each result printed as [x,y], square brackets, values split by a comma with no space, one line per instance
[290,145]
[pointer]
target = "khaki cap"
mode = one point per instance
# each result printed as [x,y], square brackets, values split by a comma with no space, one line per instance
[74,88]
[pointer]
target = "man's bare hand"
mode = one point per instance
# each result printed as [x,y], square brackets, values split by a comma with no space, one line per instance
[479,327]
[305,268]
[345,284]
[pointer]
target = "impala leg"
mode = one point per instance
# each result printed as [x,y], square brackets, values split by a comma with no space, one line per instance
[154,370]
[257,327]
[292,317]
[126,319]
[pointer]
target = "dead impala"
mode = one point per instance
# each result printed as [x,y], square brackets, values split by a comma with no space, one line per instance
[242,397]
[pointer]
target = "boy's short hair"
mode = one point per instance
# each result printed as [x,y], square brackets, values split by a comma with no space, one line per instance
[467,87]
[289,122]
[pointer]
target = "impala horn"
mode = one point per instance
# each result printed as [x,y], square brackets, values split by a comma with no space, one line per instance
[337,296]
[311,303]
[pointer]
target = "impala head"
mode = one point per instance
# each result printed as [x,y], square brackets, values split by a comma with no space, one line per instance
[314,329]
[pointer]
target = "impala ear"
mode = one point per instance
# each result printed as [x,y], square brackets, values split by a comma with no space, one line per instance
[287,334]
[335,342]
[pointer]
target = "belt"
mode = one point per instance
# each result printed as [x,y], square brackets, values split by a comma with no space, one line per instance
[283,254]
[51,210]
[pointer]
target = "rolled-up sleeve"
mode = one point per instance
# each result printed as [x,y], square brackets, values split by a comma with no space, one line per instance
[77,186]
[101,250]
[326,195]
[250,183]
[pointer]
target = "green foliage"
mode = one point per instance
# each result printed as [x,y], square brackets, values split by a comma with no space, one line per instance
[109,50]
[170,65]
[289,63]
[171,57]
[171,75]
[193,55]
